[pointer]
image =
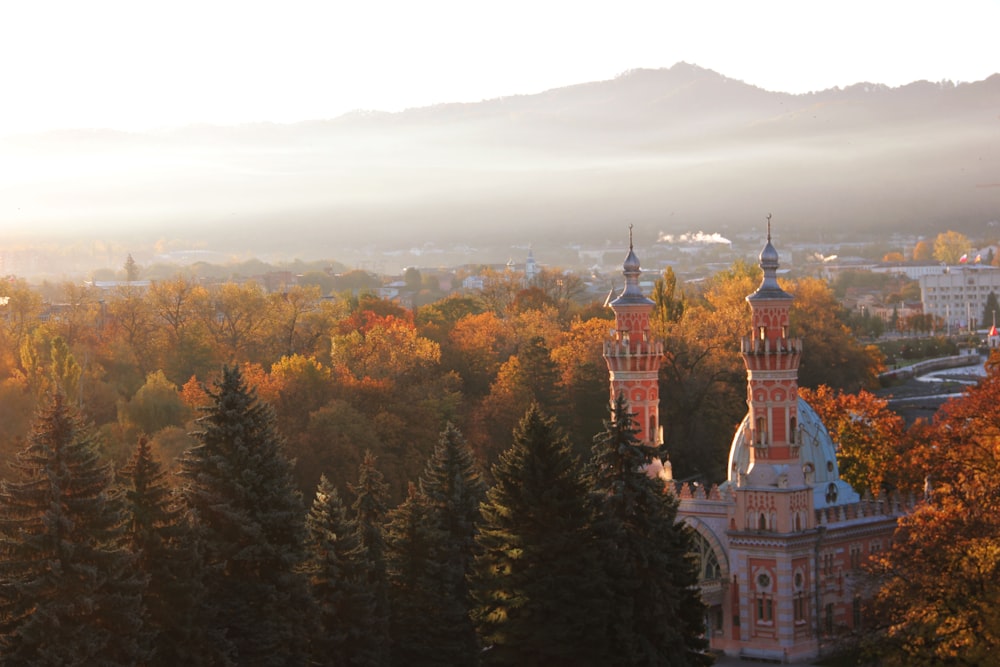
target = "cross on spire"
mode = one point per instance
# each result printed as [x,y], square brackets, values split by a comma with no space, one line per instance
[630,237]
[768,227]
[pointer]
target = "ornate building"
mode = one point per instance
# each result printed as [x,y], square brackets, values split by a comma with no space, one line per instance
[780,542]
[633,356]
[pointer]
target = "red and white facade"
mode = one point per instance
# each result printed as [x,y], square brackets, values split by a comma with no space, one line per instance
[633,356]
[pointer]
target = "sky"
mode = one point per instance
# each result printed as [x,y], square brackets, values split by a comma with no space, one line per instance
[142,64]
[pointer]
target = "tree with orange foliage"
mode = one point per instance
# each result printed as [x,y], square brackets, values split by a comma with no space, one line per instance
[869,437]
[940,580]
[923,251]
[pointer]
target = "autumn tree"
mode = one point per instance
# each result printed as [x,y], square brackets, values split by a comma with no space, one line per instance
[71,594]
[583,375]
[537,580]
[830,354]
[234,316]
[870,439]
[939,579]
[131,327]
[923,251]
[499,290]
[250,522]
[702,377]
[176,305]
[950,246]
[299,321]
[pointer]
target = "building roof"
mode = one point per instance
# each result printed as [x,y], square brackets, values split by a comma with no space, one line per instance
[632,293]
[817,458]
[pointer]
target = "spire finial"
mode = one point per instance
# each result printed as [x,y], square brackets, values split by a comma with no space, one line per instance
[630,236]
[768,227]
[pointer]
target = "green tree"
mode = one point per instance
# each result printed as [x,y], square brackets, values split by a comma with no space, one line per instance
[991,313]
[453,486]
[66,371]
[537,579]
[369,512]
[250,522]
[71,594]
[656,616]
[669,303]
[158,533]
[157,405]
[338,570]
[422,614]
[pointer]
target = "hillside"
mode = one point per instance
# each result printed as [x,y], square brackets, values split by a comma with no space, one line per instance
[671,150]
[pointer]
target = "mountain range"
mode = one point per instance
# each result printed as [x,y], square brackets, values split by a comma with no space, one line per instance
[670,150]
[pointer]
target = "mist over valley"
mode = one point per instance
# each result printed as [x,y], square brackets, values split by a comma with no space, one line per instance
[671,151]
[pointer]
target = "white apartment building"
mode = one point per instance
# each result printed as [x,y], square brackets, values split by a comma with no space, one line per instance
[960,294]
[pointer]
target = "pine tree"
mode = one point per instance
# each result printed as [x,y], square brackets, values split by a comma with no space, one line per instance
[251,527]
[454,487]
[69,592]
[159,534]
[338,571]
[656,614]
[537,580]
[422,615]
[369,512]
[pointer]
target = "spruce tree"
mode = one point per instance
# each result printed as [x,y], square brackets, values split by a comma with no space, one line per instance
[69,591]
[369,512]
[655,616]
[338,570]
[422,615]
[454,487]
[537,580]
[159,534]
[251,527]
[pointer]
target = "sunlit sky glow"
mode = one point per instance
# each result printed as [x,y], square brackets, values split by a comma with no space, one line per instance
[133,65]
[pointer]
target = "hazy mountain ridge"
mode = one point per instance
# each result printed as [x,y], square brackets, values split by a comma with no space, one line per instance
[672,149]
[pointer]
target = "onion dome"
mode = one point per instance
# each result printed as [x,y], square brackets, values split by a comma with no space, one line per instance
[769,288]
[632,293]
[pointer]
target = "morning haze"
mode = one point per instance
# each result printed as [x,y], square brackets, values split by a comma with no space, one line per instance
[670,150]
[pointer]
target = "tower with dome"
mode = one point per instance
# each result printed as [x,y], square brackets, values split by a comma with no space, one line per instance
[781,542]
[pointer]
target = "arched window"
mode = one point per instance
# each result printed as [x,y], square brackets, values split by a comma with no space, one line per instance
[762,332]
[708,562]
[762,525]
[761,430]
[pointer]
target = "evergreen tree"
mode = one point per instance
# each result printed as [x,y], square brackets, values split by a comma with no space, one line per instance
[991,312]
[369,511]
[69,591]
[537,580]
[421,614]
[656,613]
[159,534]
[454,487]
[251,525]
[338,571]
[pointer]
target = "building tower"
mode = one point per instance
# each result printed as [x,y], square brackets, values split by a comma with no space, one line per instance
[633,357]
[772,362]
